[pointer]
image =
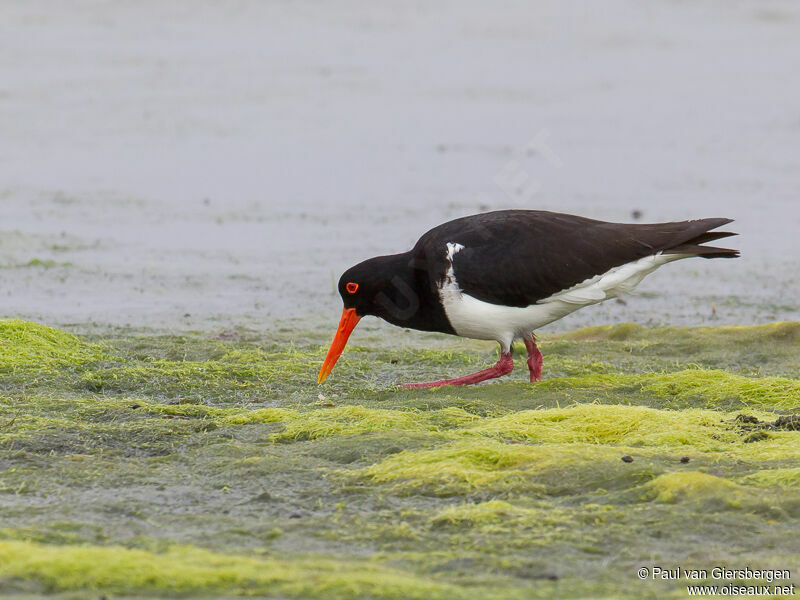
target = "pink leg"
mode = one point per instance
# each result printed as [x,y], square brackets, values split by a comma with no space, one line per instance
[504,366]
[535,358]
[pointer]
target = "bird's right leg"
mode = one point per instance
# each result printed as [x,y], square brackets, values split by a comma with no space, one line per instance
[535,358]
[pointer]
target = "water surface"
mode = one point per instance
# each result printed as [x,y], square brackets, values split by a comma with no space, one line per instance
[201,165]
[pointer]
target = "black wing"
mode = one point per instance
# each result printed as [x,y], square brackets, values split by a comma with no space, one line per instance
[518,257]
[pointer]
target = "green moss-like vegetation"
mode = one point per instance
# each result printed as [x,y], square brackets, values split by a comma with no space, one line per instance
[712,387]
[45,264]
[693,485]
[37,348]
[789,477]
[483,513]
[214,466]
[186,570]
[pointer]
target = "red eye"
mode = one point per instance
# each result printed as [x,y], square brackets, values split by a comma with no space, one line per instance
[352,287]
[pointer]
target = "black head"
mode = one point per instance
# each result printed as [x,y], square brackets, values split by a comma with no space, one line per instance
[364,286]
[365,290]
[396,288]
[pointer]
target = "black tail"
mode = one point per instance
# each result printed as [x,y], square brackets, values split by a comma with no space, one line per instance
[693,245]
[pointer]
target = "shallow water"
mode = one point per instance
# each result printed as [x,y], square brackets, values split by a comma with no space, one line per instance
[202,165]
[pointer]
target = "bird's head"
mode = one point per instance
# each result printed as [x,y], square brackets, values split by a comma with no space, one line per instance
[361,288]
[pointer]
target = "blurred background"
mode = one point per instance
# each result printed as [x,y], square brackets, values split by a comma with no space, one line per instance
[203,164]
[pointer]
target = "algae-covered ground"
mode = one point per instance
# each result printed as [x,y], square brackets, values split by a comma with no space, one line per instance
[211,465]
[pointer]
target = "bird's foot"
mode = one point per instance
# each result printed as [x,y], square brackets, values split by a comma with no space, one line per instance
[504,366]
[535,359]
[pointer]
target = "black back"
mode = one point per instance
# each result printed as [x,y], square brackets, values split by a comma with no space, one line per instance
[518,257]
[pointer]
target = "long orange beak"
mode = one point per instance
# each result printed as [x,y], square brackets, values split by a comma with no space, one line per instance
[347,323]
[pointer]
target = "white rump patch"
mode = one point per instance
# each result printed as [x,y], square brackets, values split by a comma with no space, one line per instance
[615,282]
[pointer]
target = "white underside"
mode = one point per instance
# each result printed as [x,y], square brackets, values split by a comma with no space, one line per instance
[481,320]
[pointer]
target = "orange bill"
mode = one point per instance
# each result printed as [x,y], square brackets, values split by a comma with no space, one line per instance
[347,323]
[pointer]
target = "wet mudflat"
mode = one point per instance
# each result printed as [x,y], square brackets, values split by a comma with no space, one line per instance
[208,465]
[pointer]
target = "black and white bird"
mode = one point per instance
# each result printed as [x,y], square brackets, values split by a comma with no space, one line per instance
[502,275]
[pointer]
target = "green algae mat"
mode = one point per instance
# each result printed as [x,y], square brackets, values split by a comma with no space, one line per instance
[136,465]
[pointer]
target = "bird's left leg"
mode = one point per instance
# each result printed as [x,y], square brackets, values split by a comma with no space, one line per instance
[535,358]
[504,366]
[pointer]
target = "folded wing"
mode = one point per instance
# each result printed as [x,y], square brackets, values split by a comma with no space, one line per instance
[519,257]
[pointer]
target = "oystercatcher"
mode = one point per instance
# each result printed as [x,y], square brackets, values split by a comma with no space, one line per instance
[502,275]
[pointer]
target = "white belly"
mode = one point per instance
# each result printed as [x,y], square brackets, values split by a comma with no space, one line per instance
[481,320]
